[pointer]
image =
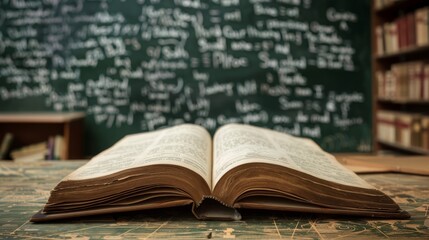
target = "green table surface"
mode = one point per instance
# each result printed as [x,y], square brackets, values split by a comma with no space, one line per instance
[24,188]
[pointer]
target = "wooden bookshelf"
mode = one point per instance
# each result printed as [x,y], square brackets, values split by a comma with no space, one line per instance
[30,128]
[411,53]
[408,149]
[382,63]
[400,6]
[404,101]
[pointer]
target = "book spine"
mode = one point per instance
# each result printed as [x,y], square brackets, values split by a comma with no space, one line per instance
[6,145]
[422,26]
[387,38]
[411,30]
[411,81]
[378,4]
[405,31]
[386,126]
[416,131]
[394,37]
[419,80]
[59,148]
[380,40]
[393,77]
[403,129]
[380,85]
[50,149]
[426,83]
[402,32]
[404,88]
[425,133]
[427,24]
[419,21]
[391,83]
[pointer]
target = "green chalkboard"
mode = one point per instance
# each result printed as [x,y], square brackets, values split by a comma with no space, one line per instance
[297,66]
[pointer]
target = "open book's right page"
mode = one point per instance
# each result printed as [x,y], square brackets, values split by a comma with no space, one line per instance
[236,144]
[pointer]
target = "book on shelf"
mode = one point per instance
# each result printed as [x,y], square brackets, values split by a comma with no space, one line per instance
[390,36]
[407,81]
[30,153]
[411,30]
[55,148]
[379,40]
[422,29]
[398,90]
[386,129]
[380,4]
[393,37]
[58,148]
[51,149]
[425,83]
[406,31]
[381,84]
[401,22]
[387,84]
[391,85]
[416,78]
[425,132]
[407,129]
[404,129]
[416,130]
[243,166]
[6,144]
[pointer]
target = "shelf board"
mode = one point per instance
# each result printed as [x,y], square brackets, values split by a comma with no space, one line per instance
[401,5]
[406,53]
[40,117]
[404,101]
[416,150]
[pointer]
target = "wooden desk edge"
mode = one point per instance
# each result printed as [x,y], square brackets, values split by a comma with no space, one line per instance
[40,117]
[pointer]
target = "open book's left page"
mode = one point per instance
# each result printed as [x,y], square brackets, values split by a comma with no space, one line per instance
[186,145]
[165,168]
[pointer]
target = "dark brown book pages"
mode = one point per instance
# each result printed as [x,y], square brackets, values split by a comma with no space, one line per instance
[242,167]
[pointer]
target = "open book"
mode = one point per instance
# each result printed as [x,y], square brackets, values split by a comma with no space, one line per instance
[242,167]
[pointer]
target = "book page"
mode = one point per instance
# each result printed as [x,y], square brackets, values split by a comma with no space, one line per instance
[236,144]
[186,145]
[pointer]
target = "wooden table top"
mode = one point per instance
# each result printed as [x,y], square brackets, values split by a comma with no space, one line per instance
[24,188]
